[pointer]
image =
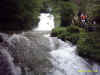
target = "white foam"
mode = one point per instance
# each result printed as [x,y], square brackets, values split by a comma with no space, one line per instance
[46,22]
[67,62]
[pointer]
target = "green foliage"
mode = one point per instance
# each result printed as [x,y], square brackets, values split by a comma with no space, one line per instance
[71,33]
[59,32]
[89,48]
[17,15]
[69,7]
[88,43]
[66,9]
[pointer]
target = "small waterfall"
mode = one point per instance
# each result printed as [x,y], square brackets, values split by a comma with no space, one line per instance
[46,22]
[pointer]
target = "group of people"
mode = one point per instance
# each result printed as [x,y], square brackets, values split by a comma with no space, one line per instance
[86,22]
[83,18]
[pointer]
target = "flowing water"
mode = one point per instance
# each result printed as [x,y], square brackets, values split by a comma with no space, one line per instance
[65,59]
[7,66]
[67,62]
[46,22]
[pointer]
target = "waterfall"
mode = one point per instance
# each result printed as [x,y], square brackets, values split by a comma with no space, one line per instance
[46,22]
[31,51]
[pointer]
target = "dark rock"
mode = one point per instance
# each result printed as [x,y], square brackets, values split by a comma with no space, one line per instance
[7,66]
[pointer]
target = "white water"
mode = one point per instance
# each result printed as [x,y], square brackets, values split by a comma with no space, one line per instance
[11,68]
[67,62]
[46,22]
[7,65]
[64,59]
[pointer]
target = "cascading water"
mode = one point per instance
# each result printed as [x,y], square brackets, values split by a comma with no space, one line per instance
[46,22]
[67,62]
[64,58]
[29,47]
[7,66]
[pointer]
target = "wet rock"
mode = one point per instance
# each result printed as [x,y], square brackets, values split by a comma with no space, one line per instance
[30,52]
[7,66]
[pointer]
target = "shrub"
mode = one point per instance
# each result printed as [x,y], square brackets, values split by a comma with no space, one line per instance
[19,15]
[59,32]
[71,33]
[89,48]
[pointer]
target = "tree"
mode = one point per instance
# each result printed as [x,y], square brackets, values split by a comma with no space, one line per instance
[66,9]
[18,15]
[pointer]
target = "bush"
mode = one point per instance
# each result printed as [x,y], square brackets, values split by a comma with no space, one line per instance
[19,15]
[59,32]
[89,48]
[71,33]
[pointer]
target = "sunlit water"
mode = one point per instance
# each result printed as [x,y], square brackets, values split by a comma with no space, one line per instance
[46,22]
